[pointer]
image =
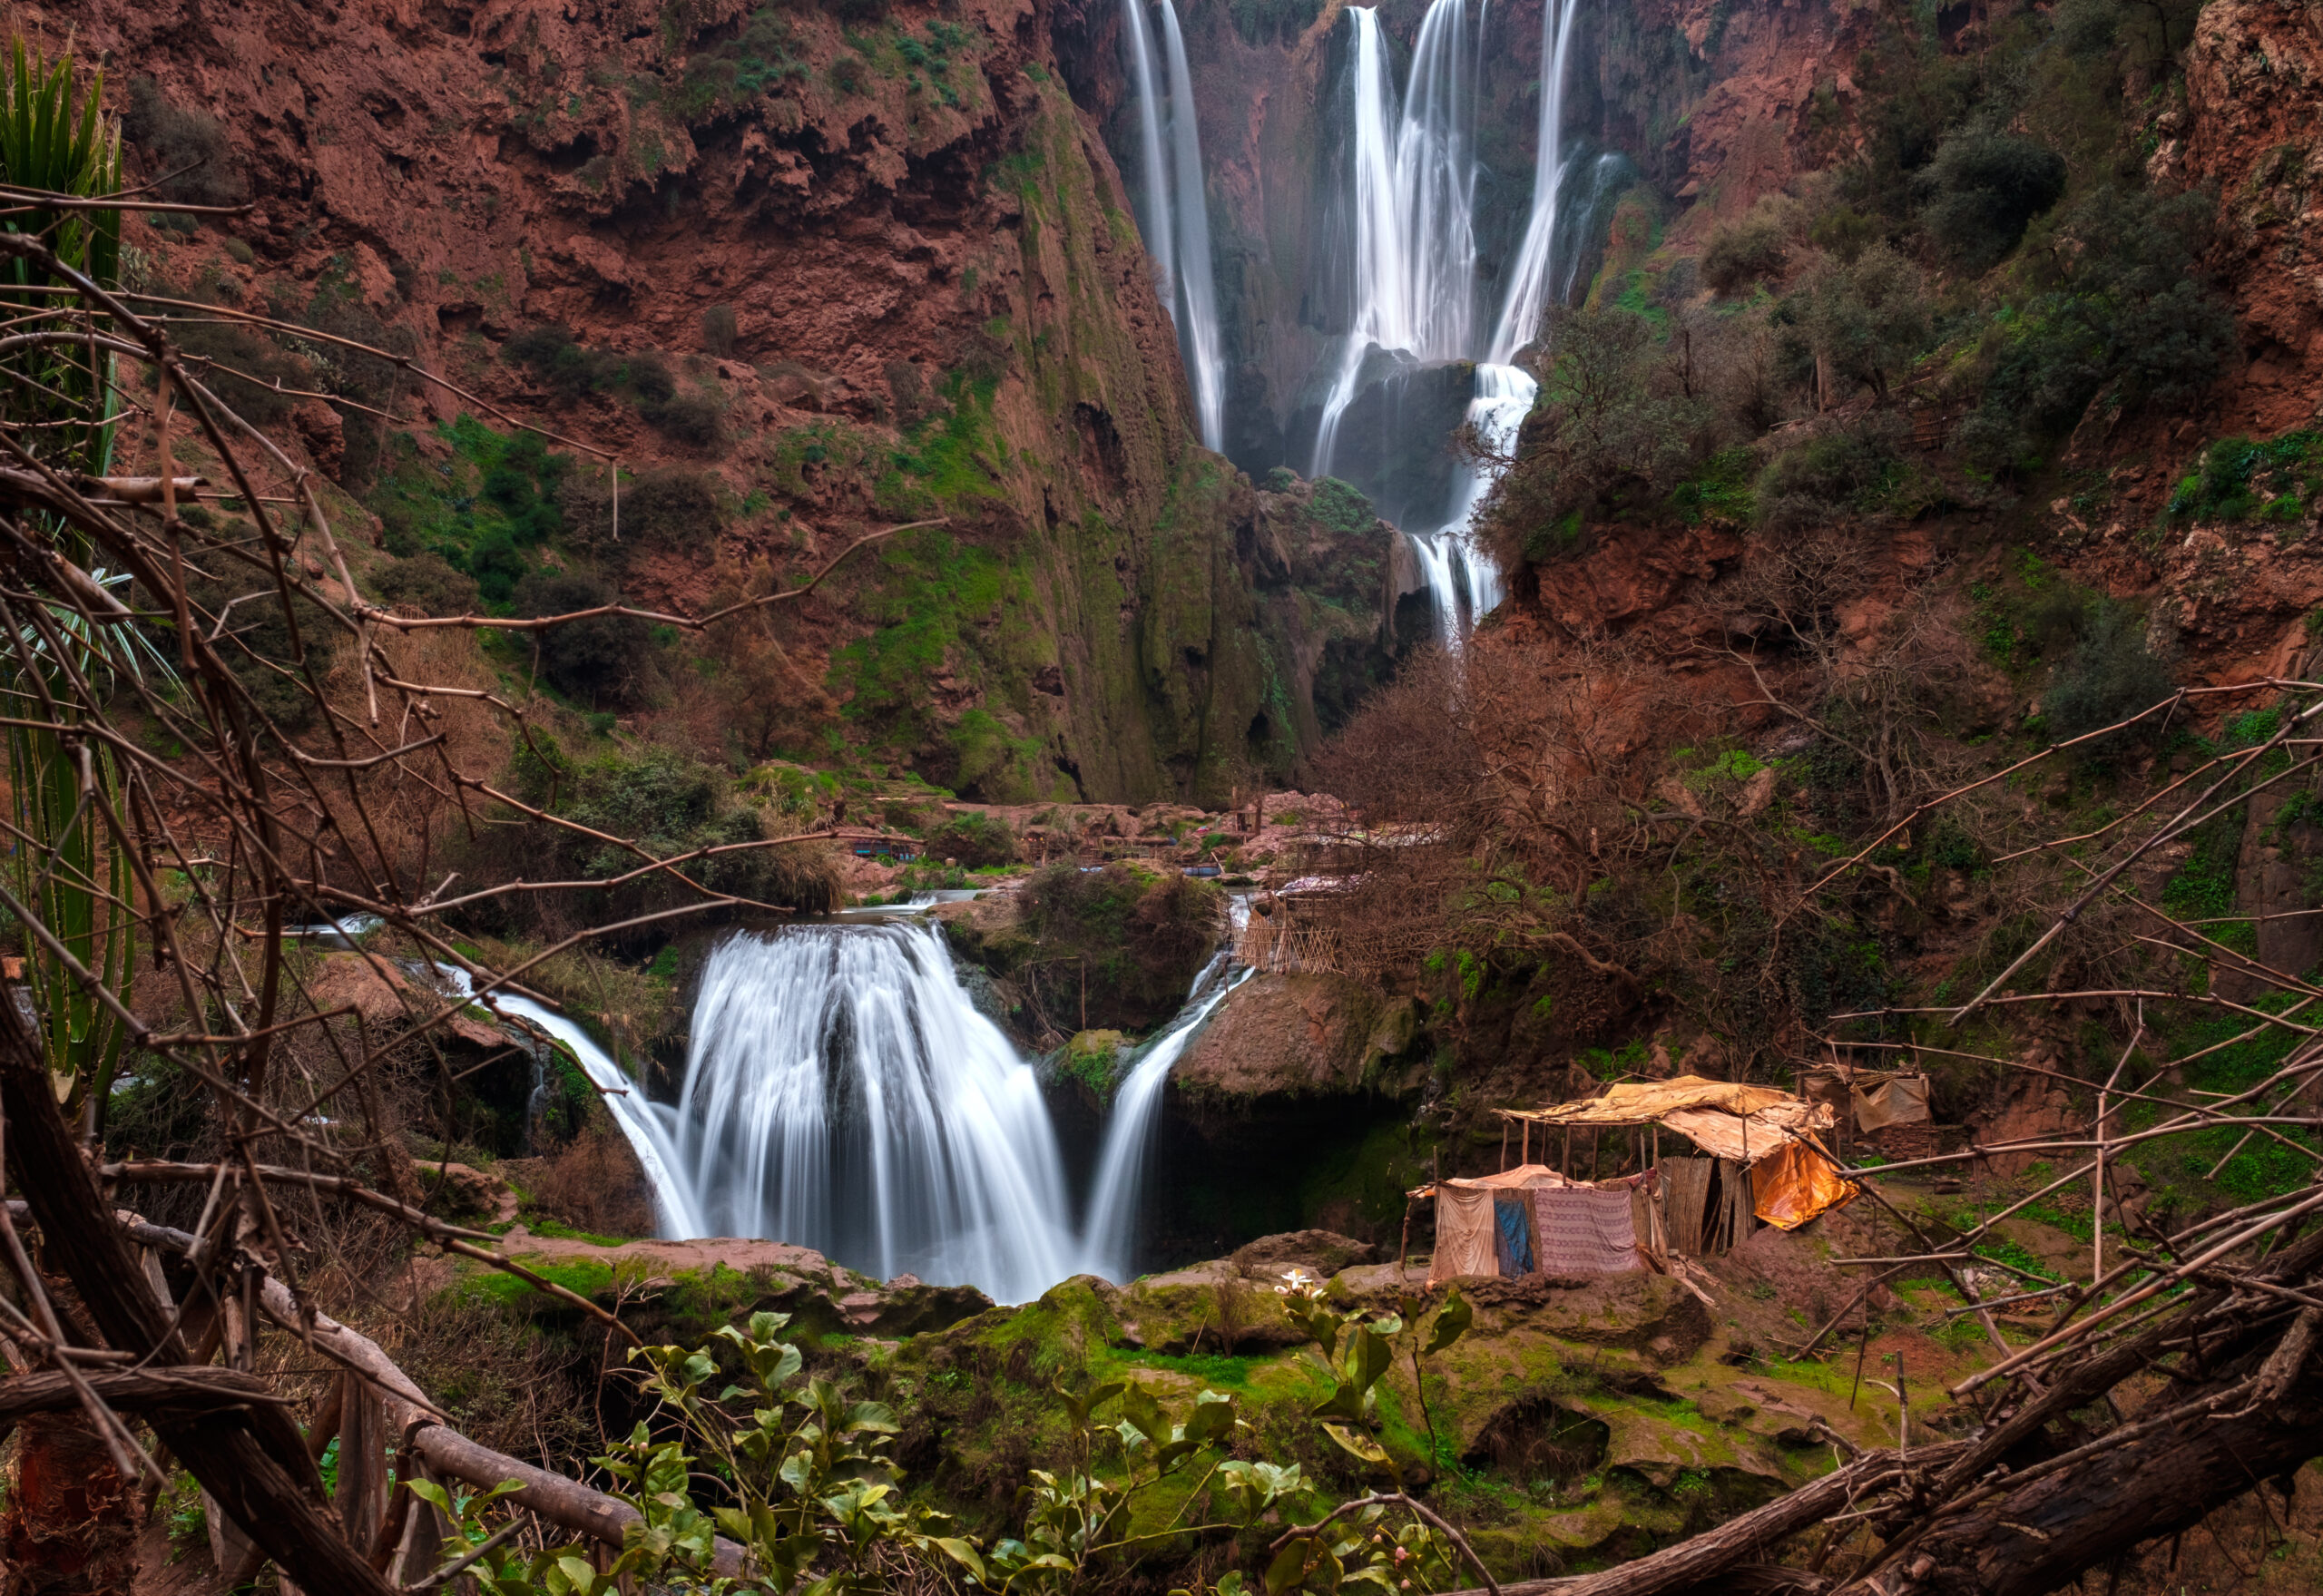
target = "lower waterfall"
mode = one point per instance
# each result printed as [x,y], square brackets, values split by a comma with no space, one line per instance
[1110,1234]
[841,1092]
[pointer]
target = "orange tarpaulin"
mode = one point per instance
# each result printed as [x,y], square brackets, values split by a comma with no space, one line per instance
[1791,1186]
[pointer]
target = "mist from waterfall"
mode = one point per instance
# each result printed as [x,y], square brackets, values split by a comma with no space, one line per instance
[1173,212]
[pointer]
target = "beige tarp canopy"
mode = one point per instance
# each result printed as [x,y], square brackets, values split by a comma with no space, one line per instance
[1646,1103]
[1723,1118]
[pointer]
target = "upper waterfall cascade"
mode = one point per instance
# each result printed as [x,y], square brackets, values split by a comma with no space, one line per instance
[1174,208]
[1412,179]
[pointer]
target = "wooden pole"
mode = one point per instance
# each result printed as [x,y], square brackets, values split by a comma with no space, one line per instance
[1503,1145]
[1564,1159]
[1525,1157]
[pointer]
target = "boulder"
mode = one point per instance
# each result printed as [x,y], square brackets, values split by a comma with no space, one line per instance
[1320,1253]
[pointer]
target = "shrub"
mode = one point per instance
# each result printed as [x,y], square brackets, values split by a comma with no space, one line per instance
[594,659]
[1140,940]
[187,150]
[1981,191]
[696,419]
[847,75]
[1742,253]
[1839,473]
[569,370]
[2110,674]
[973,839]
[1860,325]
[671,506]
[428,584]
[718,330]
[2128,310]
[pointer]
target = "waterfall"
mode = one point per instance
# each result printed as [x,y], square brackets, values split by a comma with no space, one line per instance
[645,1125]
[841,1092]
[1529,284]
[1175,214]
[1110,1235]
[1412,191]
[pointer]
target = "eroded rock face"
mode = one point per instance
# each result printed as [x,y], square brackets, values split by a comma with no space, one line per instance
[850,244]
[1298,1035]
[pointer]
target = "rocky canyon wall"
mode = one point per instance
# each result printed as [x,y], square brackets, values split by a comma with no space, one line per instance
[886,268]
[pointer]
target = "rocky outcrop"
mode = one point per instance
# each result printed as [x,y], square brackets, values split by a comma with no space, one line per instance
[1296,1037]
[2254,84]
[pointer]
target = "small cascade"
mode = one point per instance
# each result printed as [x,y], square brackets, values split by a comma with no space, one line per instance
[645,1125]
[843,1093]
[1174,214]
[1110,1235]
[1529,281]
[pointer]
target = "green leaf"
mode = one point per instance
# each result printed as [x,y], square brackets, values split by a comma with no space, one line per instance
[1357,1444]
[1369,1356]
[1139,1408]
[1451,1322]
[1289,1567]
[963,1552]
[1213,1418]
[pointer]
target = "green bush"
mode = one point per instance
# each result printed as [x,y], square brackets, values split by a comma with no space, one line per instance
[974,839]
[2237,479]
[1140,940]
[1983,190]
[2111,675]
[2128,311]
[428,584]
[1858,326]
[1743,254]
[592,661]
[1828,478]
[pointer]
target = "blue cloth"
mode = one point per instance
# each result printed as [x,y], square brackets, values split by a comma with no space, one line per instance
[1512,1237]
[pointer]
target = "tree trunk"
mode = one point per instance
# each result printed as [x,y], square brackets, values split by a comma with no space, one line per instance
[69,1528]
[2048,1533]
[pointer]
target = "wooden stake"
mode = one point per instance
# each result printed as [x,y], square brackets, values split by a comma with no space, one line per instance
[1503,1145]
[1525,1157]
[1861,1347]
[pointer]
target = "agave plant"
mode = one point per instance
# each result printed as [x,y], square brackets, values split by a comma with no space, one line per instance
[67,874]
[56,138]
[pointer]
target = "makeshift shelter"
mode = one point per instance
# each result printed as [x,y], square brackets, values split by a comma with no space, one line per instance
[1532,1220]
[1873,1098]
[1763,1160]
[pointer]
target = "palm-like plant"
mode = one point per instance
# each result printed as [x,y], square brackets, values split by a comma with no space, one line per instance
[66,871]
[56,140]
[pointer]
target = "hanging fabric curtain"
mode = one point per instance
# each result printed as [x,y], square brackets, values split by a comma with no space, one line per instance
[1466,1236]
[1585,1230]
[1512,1233]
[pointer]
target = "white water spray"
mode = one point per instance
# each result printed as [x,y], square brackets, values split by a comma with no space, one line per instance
[842,1093]
[1175,214]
